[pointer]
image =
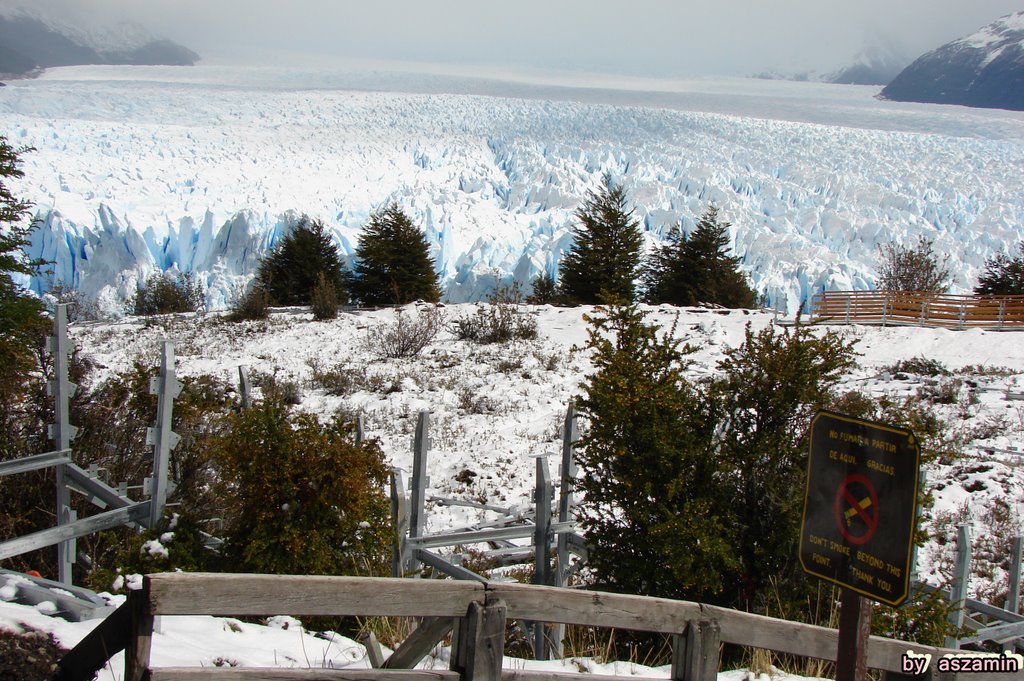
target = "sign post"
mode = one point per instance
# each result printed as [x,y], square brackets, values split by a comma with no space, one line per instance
[860,508]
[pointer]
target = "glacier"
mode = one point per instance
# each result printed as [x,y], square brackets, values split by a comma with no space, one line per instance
[143,169]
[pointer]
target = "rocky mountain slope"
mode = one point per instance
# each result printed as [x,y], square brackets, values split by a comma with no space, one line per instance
[984,69]
[31,41]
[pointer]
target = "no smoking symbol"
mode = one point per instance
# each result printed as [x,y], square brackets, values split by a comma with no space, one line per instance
[857,509]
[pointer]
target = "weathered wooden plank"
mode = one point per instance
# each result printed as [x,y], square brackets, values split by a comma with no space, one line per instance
[796,638]
[481,642]
[228,594]
[140,635]
[572,606]
[271,674]
[92,652]
[695,653]
[374,654]
[419,643]
[539,675]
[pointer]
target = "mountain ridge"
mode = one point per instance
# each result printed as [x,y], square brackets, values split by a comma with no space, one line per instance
[984,69]
[31,42]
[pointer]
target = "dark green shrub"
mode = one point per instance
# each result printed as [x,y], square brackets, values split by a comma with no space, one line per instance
[762,400]
[251,305]
[604,259]
[648,467]
[919,366]
[544,290]
[169,292]
[289,273]
[302,497]
[177,544]
[697,269]
[324,299]
[393,263]
[1003,275]
[661,452]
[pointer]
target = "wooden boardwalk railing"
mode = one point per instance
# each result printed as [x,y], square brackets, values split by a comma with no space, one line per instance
[918,309]
[475,611]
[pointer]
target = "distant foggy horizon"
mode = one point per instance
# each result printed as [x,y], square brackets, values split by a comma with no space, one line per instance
[644,38]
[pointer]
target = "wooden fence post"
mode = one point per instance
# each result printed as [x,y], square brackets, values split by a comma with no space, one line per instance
[480,642]
[961,577]
[400,523]
[854,630]
[62,432]
[140,639]
[163,439]
[360,430]
[417,512]
[244,386]
[541,546]
[570,433]
[695,653]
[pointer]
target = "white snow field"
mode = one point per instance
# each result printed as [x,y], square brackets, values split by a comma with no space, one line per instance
[494,408]
[138,169]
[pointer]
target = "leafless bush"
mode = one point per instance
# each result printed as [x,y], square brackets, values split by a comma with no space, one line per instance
[407,335]
[501,321]
[917,268]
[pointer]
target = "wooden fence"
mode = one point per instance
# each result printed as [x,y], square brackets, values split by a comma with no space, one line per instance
[474,612]
[918,309]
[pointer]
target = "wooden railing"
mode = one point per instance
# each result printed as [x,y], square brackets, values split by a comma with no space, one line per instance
[475,611]
[920,309]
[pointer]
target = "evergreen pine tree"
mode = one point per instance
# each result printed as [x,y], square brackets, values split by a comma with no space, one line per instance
[393,263]
[765,393]
[289,273]
[697,269]
[22,324]
[648,470]
[694,490]
[607,246]
[543,290]
[1003,276]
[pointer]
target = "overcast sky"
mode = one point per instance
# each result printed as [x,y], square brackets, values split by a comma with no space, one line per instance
[637,37]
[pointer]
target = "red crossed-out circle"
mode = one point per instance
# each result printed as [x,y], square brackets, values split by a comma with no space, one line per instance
[847,498]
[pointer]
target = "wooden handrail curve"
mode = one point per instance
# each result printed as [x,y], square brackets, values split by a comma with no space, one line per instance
[478,610]
[917,308]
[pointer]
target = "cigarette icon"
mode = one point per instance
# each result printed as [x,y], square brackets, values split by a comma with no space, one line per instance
[865,503]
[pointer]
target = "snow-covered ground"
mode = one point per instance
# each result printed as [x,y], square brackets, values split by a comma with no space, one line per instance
[138,169]
[494,408]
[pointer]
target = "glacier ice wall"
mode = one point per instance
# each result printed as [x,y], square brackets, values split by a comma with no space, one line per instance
[132,175]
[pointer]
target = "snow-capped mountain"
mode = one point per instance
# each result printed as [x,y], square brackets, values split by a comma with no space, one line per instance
[31,39]
[985,69]
[137,170]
